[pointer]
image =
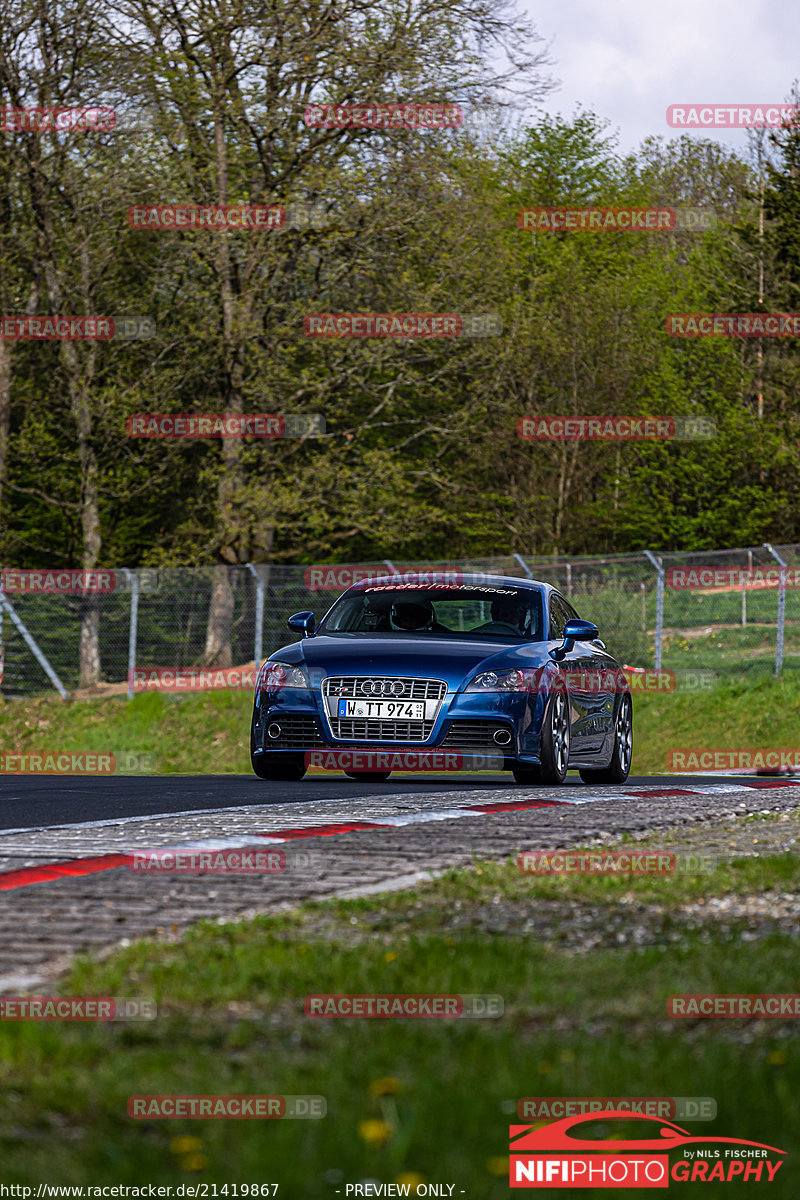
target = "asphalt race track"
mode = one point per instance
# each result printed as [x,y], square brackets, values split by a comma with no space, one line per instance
[71,879]
[28,801]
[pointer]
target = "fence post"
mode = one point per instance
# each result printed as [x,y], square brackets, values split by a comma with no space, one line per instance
[781,607]
[34,649]
[659,566]
[524,565]
[744,585]
[133,580]
[259,635]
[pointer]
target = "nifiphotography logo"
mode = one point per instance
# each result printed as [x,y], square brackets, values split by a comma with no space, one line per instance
[555,1155]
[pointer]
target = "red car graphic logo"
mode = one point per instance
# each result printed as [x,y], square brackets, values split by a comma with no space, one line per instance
[553,1156]
[556,1136]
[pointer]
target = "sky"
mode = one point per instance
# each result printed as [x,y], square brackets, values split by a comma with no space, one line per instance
[628,60]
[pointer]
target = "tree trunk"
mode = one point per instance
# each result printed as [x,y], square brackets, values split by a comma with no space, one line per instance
[220,621]
[5,415]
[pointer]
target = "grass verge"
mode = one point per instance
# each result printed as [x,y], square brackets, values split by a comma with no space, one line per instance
[208,733]
[421,1100]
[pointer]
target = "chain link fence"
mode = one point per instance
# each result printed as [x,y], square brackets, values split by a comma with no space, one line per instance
[709,617]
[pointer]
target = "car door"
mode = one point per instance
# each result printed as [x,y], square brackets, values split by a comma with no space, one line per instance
[594,689]
[570,670]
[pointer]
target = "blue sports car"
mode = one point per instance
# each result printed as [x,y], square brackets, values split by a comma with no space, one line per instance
[475,664]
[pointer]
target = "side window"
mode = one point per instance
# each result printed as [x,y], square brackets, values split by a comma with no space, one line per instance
[557,619]
[570,611]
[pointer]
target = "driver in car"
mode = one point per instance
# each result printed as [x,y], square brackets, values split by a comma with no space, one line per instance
[415,616]
[509,614]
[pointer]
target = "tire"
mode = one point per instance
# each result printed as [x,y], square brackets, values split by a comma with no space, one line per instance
[526,774]
[287,767]
[369,776]
[555,746]
[619,768]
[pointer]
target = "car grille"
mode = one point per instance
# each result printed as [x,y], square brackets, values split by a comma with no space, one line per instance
[297,732]
[361,729]
[475,735]
[351,688]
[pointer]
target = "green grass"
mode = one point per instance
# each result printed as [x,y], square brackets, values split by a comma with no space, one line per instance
[231,1020]
[204,733]
[208,733]
[760,715]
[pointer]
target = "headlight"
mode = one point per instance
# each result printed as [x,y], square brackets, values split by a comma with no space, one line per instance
[276,675]
[520,679]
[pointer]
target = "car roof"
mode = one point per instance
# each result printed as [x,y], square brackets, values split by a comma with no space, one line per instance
[445,578]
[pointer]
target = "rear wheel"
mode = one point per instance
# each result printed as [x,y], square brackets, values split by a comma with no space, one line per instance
[619,768]
[368,776]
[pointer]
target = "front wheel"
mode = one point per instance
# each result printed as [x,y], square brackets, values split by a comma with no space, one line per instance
[555,741]
[290,768]
[619,768]
[554,757]
[369,776]
[525,774]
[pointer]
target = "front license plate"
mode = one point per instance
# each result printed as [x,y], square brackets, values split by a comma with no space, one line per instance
[384,710]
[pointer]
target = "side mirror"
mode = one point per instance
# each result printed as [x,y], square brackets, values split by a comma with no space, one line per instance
[303,623]
[575,631]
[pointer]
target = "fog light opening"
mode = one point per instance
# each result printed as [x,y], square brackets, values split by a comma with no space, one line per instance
[274,730]
[502,737]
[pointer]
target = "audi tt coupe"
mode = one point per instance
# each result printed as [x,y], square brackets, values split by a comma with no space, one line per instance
[475,666]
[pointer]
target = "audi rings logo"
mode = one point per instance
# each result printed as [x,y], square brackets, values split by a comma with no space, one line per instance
[381,687]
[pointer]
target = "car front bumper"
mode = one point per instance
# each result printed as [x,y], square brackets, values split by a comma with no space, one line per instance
[505,724]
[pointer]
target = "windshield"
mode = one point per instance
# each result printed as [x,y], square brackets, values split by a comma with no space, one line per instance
[503,613]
